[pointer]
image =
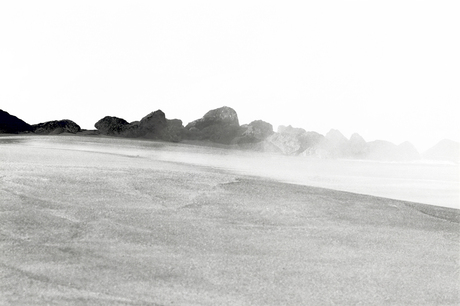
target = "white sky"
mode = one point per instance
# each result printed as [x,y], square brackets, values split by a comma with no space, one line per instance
[384,69]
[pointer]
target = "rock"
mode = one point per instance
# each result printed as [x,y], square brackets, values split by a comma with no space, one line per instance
[153,126]
[286,143]
[445,150]
[111,125]
[12,124]
[310,140]
[156,126]
[357,147]
[219,125]
[56,127]
[254,132]
[294,141]
[407,151]
[174,130]
[290,130]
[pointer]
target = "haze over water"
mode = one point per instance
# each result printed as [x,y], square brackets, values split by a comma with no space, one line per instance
[423,182]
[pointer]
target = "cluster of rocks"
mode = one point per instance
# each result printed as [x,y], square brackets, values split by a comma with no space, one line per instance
[297,141]
[219,125]
[222,126]
[153,126]
[13,125]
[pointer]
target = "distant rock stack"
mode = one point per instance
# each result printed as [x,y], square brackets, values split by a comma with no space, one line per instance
[12,124]
[445,150]
[56,127]
[384,150]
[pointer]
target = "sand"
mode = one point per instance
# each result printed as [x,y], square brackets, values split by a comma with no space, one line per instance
[82,227]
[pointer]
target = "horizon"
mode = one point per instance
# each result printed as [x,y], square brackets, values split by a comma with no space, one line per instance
[387,71]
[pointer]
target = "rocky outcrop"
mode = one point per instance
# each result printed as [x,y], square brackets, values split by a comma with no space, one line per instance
[335,143]
[254,132]
[111,125]
[56,127]
[407,151]
[153,126]
[219,125]
[285,143]
[12,124]
[156,126]
[294,141]
[357,147]
[445,150]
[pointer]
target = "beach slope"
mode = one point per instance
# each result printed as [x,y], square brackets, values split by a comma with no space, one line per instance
[84,227]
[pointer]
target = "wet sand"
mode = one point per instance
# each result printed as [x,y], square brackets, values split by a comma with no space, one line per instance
[81,227]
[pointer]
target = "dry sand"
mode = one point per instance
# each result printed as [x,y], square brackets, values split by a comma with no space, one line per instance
[80,227]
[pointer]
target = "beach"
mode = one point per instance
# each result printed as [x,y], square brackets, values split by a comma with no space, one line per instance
[95,221]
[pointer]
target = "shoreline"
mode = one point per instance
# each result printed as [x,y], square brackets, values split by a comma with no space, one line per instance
[295,170]
[84,227]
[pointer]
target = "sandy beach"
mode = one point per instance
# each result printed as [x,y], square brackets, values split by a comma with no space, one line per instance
[80,226]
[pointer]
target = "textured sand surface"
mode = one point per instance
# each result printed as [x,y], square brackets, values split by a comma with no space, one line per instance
[84,227]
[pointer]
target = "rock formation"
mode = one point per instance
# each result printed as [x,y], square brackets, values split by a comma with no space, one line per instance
[445,150]
[218,125]
[254,132]
[357,147]
[12,124]
[153,126]
[111,125]
[56,127]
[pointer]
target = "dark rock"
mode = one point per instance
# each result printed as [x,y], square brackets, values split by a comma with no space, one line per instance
[12,124]
[219,125]
[153,126]
[56,127]
[445,150]
[156,126]
[111,125]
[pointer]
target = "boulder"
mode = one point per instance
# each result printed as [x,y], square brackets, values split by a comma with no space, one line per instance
[111,125]
[153,126]
[310,140]
[254,132]
[219,125]
[295,141]
[56,127]
[156,126]
[12,124]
